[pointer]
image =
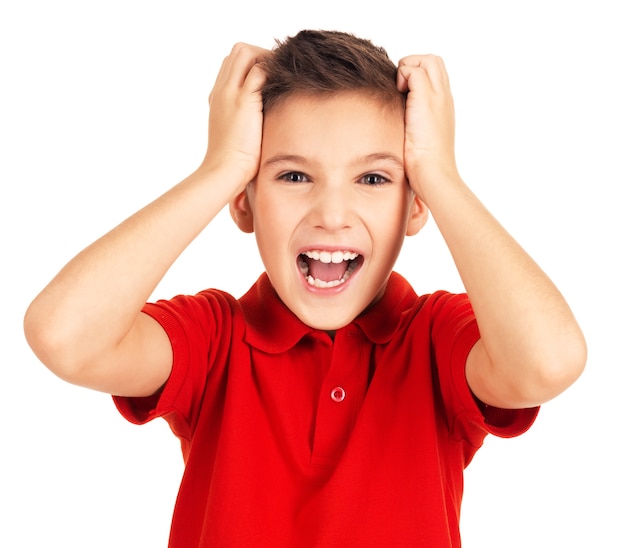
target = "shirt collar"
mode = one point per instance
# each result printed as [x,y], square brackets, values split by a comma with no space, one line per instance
[382,321]
[273,328]
[270,325]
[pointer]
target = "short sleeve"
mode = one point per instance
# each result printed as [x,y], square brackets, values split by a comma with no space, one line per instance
[454,333]
[199,328]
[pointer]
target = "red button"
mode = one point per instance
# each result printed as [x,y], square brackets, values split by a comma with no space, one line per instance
[338,394]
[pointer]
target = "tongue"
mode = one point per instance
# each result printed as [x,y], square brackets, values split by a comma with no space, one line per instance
[327,271]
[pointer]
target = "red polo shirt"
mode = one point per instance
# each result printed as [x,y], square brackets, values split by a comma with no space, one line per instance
[293,439]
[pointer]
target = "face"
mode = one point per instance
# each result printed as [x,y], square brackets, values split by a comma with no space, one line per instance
[331,205]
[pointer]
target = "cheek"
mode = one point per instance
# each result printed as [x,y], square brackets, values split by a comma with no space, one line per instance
[274,226]
[279,214]
[391,215]
[388,229]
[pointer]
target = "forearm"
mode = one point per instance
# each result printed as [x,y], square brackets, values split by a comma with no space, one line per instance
[90,306]
[531,345]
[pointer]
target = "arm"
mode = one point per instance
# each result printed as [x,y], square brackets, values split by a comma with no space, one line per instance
[531,347]
[87,325]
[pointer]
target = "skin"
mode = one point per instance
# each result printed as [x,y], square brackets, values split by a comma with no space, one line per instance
[87,325]
[351,195]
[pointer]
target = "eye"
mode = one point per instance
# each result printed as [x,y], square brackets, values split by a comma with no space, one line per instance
[373,179]
[293,177]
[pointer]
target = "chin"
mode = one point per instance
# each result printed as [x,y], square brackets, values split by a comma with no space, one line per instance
[323,322]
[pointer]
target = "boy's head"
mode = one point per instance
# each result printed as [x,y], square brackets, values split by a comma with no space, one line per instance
[331,204]
[319,63]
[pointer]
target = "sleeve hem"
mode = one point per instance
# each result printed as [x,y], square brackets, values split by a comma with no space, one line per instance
[503,423]
[145,409]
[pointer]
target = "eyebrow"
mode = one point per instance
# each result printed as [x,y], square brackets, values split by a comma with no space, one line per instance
[285,159]
[368,158]
[380,157]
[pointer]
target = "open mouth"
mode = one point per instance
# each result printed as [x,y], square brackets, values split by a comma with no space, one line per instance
[328,268]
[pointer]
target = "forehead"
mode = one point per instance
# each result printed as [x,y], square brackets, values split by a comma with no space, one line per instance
[343,123]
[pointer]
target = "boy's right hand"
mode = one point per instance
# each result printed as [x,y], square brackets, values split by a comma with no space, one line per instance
[236,116]
[87,325]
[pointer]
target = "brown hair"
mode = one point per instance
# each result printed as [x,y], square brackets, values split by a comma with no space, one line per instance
[319,62]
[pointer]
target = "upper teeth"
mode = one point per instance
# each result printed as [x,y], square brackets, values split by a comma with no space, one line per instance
[331,256]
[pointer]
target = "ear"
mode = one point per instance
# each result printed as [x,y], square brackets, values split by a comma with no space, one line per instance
[241,212]
[418,215]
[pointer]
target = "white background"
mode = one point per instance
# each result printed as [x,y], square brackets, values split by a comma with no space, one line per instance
[103,106]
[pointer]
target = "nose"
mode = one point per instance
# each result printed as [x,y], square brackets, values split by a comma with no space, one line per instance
[332,207]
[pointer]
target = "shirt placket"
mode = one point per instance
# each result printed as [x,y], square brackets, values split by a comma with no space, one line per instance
[341,397]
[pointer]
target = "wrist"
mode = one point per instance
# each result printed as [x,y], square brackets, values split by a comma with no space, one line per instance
[425,179]
[232,176]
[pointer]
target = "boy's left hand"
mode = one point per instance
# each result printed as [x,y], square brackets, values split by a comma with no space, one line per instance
[429,121]
[531,347]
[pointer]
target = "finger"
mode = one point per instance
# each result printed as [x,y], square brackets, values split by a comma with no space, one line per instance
[241,60]
[434,67]
[413,79]
[255,79]
[236,67]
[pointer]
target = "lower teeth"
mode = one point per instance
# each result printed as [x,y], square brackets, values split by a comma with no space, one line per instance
[322,283]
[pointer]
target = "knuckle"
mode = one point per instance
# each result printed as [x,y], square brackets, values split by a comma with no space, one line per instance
[240,47]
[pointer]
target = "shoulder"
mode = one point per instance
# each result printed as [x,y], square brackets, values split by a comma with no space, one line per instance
[205,303]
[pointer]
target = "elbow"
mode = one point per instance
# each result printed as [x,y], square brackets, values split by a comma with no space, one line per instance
[555,371]
[569,365]
[50,342]
[531,379]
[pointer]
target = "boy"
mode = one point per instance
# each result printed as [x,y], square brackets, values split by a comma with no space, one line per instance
[330,405]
